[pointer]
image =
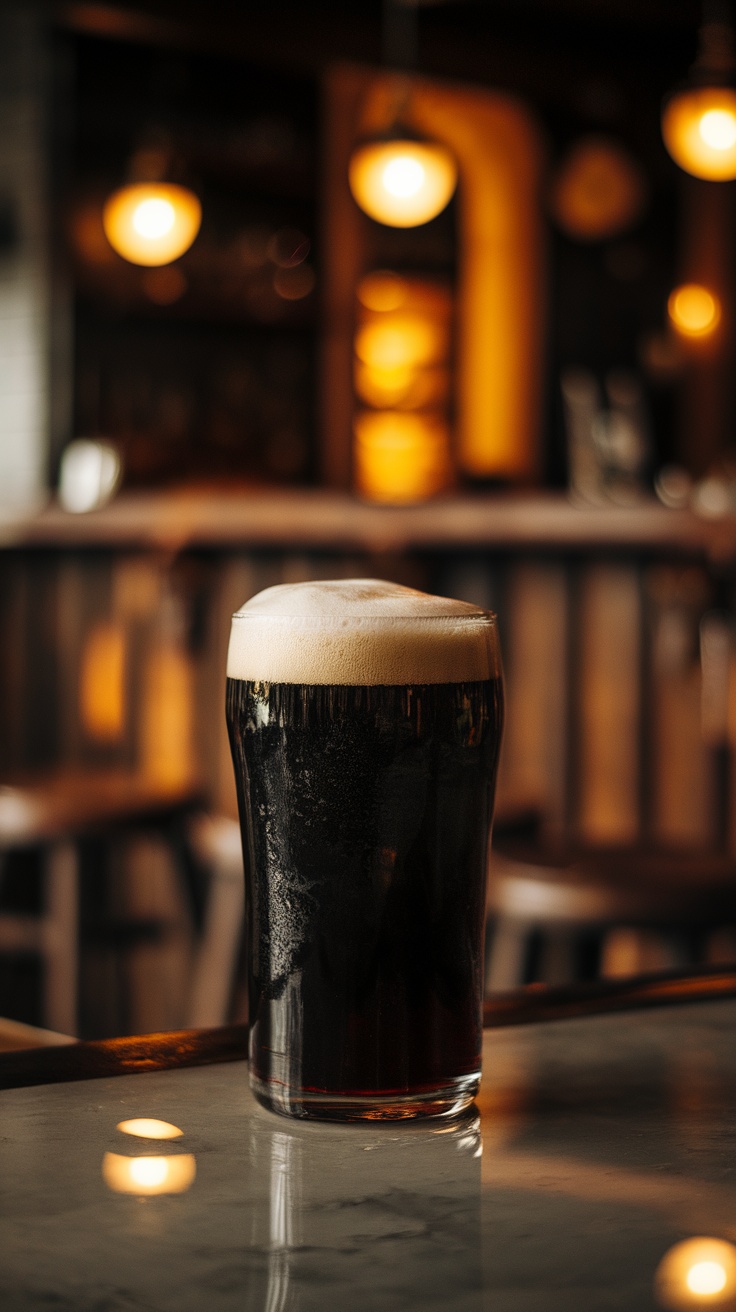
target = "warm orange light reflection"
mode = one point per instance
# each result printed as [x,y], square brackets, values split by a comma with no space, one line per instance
[599,191]
[400,457]
[706,1278]
[699,1272]
[166,737]
[397,341]
[164,286]
[402,183]
[152,223]
[402,363]
[149,1175]
[693,310]
[102,683]
[147,1127]
[405,387]
[382,291]
[699,130]
[294,283]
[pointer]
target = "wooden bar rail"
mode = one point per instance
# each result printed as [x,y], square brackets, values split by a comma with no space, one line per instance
[532,1005]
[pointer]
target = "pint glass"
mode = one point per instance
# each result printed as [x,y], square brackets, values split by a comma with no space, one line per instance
[365,724]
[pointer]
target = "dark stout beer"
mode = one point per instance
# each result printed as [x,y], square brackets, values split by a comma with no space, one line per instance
[365,812]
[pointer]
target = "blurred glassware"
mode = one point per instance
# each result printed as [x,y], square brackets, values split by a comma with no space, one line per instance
[89,475]
[608,448]
[293,283]
[699,119]
[152,223]
[715,495]
[673,486]
[288,247]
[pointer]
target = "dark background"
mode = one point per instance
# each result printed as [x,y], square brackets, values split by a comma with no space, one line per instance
[219,383]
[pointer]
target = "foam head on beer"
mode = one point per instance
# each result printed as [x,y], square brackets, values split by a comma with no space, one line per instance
[359,632]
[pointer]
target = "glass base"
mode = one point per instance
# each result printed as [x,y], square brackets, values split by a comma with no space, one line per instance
[448,1100]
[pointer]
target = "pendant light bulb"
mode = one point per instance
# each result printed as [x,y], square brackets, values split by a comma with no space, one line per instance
[152,223]
[401,182]
[699,130]
[699,120]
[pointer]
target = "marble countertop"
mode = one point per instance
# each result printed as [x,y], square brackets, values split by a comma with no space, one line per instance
[598,1145]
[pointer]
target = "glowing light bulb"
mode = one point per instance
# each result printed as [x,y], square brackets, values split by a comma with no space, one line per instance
[403,176]
[706,1278]
[717,127]
[699,131]
[402,183]
[153,218]
[693,310]
[152,223]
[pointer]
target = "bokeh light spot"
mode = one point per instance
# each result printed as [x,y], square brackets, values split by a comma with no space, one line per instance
[147,1127]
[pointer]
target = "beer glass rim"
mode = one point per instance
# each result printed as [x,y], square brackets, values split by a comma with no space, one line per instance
[344,621]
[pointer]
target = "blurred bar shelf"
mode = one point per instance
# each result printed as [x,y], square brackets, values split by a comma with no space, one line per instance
[265,518]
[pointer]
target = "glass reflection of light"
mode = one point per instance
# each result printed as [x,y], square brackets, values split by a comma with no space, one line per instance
[147,1127]
[698,1272]
[284,1215]
[148,1175]
[356,1188]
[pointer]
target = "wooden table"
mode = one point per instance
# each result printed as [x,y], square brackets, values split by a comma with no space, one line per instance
[600,1143]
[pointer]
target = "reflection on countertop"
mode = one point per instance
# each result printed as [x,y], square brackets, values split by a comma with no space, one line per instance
[602,1146]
